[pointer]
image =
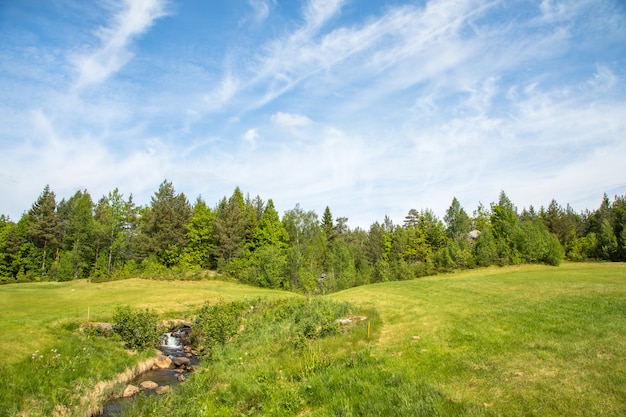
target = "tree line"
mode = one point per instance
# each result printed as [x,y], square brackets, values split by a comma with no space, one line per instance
[246,238]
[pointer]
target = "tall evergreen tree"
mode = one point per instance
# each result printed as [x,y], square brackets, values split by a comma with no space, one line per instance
[231,228]
[44,224]
[164,224]
[270,230]
[327,224]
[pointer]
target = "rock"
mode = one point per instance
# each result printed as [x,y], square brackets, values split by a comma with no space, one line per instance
[130,390]
[103,328]
[474,234]
[148,385]
[163,389]
[181,378]
[163,362]
[348,320]
[179,362]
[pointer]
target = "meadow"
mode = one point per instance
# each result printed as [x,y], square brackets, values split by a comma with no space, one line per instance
[528,340]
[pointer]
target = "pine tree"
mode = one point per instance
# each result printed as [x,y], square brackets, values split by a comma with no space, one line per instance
[163,225]
[44,224]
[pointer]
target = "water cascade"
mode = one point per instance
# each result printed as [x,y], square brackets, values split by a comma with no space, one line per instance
[173,345]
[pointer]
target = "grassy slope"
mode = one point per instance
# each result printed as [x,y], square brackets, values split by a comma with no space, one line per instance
[508,341]
[30,314]
[519,341]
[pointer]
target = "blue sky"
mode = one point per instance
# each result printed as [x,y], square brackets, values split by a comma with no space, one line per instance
[369,107]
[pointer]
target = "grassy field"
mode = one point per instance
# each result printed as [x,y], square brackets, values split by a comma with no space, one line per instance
[529,340]
[31,314]
[48,367]
[524,340]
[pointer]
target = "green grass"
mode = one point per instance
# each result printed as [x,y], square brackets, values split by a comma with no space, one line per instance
[31,313]
[517,341]
[530,340]
[46,362]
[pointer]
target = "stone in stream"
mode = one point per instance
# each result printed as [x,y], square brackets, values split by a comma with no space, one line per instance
[163,362]
[148,385]
[163,389]
[180,362]
[130,390]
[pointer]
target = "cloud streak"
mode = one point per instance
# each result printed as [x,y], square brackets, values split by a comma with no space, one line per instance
[370,111]
[133,18]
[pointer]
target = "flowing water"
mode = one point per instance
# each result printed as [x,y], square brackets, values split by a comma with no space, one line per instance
[172,346]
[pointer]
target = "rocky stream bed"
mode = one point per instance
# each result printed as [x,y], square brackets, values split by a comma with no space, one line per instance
[173,365]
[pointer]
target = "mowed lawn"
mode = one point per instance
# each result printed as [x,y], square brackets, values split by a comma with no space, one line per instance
[528,340]
[31,313]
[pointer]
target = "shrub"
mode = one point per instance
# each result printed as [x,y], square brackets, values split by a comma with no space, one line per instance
[216,324]
[138,329]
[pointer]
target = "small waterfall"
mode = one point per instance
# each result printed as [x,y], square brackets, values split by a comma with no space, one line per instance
[173,345]
[171,342]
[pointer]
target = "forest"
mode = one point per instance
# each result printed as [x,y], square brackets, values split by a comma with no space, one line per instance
[246,239]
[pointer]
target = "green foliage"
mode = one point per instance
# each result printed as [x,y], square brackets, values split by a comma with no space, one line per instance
[163,225]
[458,223]
[216,324]
[43,226]
[265,267]
[200,237]
[247,240]
[269,367]
[139,329]
[538,245]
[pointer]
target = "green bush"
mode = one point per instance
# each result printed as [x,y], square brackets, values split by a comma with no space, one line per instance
[216,324]
[139,329]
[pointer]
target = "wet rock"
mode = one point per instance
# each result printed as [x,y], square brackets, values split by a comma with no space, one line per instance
[163,389]
[130,390]
[148,385]
[181,378]
[163,362]
[180,362]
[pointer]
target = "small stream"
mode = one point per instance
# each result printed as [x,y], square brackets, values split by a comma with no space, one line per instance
[183,362]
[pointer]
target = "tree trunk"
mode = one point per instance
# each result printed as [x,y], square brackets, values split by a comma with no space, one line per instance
[43,259]
[109,262]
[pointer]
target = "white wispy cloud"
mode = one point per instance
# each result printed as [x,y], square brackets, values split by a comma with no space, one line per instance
[133,17]
[261,9]
[318,12]
[290,119]
[406,107]
[252,136]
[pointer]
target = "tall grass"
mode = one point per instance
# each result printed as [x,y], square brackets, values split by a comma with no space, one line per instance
[285,364]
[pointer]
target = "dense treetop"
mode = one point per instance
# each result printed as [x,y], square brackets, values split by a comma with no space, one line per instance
[246,238]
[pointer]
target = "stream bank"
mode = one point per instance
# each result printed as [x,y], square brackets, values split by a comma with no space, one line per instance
[175,361]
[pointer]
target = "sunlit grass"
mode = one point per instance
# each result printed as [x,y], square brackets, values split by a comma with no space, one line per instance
[31,312]
[518,341]
[49,367]
[527,340]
